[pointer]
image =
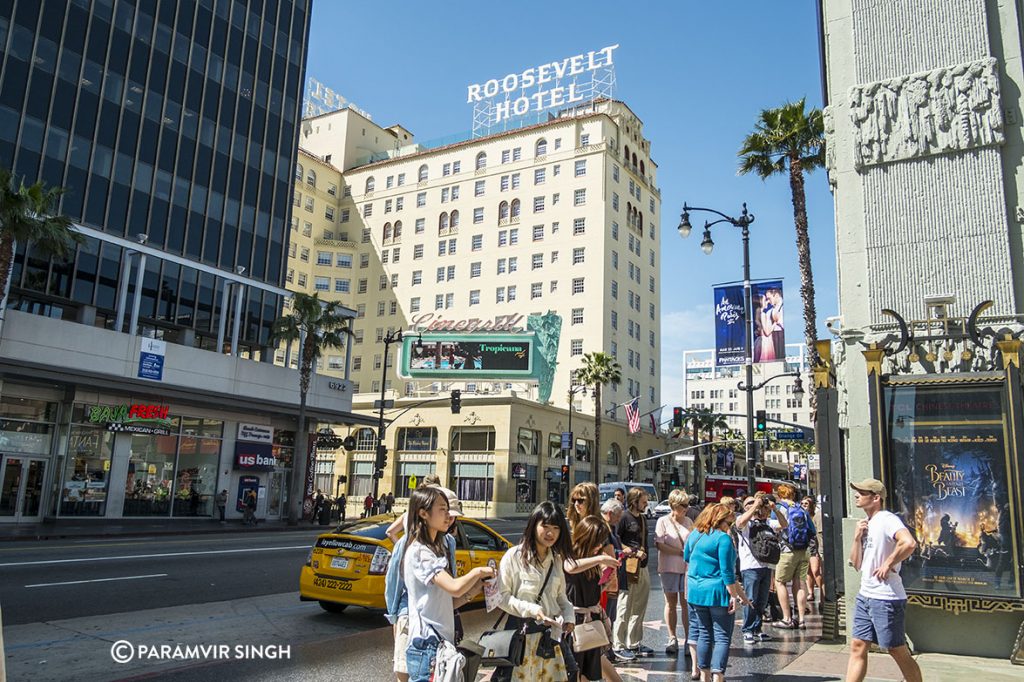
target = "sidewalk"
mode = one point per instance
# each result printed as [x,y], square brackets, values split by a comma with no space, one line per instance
[827,661]
[100,528]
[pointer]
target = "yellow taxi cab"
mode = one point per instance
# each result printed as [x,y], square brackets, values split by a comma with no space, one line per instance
[347,566]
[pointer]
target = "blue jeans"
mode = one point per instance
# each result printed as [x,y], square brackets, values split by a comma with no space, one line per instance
[716,624]
[757,584]
[419,659]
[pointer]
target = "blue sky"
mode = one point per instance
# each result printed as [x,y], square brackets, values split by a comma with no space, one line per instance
[696,73]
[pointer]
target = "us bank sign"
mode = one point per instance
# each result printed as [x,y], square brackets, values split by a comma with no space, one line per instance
[572,80]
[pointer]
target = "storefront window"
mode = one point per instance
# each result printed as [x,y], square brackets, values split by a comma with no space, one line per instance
[473,439]
[526,489]
[149,485]
[406,470]
[324,474]
[26,426]
[529,442]
[474,481]
[366,440]
[196,479]
[360,479]
[583,449]
[284,447]
[87,472]
[422,439]
[554,445]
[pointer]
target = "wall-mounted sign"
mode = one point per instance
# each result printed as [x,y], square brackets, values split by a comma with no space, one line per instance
[138,418]
[256,433]
[494,356]
[151,359]
[518,470]
[255,456]
[431,322]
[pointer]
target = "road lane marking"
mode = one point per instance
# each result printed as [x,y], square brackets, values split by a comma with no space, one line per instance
[100,580]
[149,556]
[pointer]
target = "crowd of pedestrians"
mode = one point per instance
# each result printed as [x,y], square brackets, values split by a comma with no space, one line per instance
[574,592]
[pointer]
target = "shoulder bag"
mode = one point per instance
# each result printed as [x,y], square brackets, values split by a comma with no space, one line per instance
[507,648]
[590,634]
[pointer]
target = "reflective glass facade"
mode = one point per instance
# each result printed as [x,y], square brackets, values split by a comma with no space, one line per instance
[173,118]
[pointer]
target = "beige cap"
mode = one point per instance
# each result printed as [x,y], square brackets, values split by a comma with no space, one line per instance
[869,485]
[454,504]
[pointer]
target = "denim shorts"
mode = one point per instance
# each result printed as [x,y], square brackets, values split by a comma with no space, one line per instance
[880,621]
[419,659]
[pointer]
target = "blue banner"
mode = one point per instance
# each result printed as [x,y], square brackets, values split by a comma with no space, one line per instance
[729,334]
[769,341]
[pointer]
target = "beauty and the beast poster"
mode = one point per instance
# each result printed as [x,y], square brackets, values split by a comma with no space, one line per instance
[951,487]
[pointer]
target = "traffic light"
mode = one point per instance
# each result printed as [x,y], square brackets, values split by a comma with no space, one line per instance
[565,473]
[456,401]
[632,472]
[761,421]
[382,460]
[677,417]
[674,478]
[657,466]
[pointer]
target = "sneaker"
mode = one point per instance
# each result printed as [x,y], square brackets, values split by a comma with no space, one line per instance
[623,655]
[644,651]
[673,647]
[750,638]
[764,636]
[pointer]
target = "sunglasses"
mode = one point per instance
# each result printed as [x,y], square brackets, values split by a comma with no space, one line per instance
[578,500]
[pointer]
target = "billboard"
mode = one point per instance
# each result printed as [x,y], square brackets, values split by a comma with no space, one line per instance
[467,356]
[769,336]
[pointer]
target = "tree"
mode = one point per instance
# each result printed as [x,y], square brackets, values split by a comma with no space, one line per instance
[791,141]
[704,420]
[317,326]
[598,369]
[26,216]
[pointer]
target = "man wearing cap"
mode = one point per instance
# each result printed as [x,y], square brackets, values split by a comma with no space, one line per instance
[880,545]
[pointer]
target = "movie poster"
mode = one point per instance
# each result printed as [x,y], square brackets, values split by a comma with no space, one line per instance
[769,330]
[951,487]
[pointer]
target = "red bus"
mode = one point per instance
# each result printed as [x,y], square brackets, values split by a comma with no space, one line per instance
[717,486]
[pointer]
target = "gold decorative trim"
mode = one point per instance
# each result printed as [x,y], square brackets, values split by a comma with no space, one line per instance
[1009,349]
[958,604]
[873,357]
[823,368]
[959,378]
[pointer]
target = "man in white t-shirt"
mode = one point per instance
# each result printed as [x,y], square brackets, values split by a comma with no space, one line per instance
[880,545]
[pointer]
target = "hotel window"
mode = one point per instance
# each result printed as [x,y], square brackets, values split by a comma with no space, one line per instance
[537,261]
[481,161]
[401,179]
[364,260]
[513,264]
[392,310]
[554,256]
[579,197]
[324,258]
[577,256]
[444,195]
[302,279]
[584,139]
[502,266]
[438,301]
[417,252]
[394,255]
[577,285]
[451,243]
[329,213]
[615,260]
[542,147]
[478,215]
[499,295]
[651,338]
[414,304]
[474,481]
[440,274]
[515,181]
[422,174]
[446,169]
[538,204]
[449,300]
[347,191]
[615,201]
[456,166]
[581,168]
[291,250]
[615,320]
[651,310]
[345,215]
[556,169]
[652,204]
[536,289]
[474,269]
[538,233]
[506,155]
[517,153]
[399,203]
[575,347]
[502,237]
[398,229]
[474,297]
[650,284]
[370,184]
[389,182]
[478,188]
[513,236]
[361,289]
[417,277]
[511,294]
[455,219]
[615,289]
[290,277]
[579,226]
[514,208]
[342,286]
[329,235]
[577,315]
[307,229]
[477,242]
[322,283]
[554,198]
[304,255]
[420,225]
[383,283]
[421,199]
[615,173]
[615,230]
[554,285]
[538,176]
[309,204]
[451,272]
[387,205]
[503,183]
[367,210]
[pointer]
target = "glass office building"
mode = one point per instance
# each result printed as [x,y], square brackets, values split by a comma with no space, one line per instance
[171,119]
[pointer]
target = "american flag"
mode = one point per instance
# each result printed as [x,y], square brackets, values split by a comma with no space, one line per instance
[633,415]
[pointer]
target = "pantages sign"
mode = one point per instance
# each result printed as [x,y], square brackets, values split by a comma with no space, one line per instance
[540,87]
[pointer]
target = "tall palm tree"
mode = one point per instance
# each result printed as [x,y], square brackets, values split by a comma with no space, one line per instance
[791,141]
[26,216]
[704,420]
[598,369]
[317,326]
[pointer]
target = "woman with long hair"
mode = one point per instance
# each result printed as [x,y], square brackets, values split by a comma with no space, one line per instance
[588,569]
[713,591]
[430,580]
[670,534]
[584,500]
[532,590]
[814,576]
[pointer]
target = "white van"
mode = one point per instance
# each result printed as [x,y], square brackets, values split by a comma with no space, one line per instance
[607,490]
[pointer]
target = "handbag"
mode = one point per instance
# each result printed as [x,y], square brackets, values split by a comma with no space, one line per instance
[633,569]
[507,648]
[590,635]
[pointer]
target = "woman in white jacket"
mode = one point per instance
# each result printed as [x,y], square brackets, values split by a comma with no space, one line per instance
[533,593]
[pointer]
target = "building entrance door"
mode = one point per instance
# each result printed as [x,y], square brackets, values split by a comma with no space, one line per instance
[21,488]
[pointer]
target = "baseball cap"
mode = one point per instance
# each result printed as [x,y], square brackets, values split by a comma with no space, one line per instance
[869,485]
[454,504]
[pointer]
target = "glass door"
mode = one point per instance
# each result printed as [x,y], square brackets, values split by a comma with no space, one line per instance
[21,488]
[274,495]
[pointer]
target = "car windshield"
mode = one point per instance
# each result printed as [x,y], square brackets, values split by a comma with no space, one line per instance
[372,529]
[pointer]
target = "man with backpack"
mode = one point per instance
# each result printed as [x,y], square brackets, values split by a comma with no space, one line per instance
[794,562]
[759,551]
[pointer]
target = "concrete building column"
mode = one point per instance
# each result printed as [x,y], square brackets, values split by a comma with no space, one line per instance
[118,475]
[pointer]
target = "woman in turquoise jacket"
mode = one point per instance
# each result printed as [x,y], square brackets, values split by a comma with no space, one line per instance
[712,590]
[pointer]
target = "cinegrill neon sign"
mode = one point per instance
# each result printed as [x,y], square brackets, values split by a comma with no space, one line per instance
[515,85]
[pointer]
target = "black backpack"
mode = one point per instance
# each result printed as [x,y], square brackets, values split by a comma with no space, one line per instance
[764,544]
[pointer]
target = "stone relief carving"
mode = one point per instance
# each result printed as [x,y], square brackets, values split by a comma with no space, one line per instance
[828,116]
[949,109]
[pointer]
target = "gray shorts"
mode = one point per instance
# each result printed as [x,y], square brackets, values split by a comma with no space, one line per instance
[881,621]
[673,582]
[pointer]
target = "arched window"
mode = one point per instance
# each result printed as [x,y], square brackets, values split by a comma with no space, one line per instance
[515,208]
[643,171]
[298,172]
[503,211]
[442,222]
[387,231]
[542,147]
[366,439]
[634,159]
[614,454]
[629,213]
[398,229]
[454,220]
[627,153]
[481,161]
[311,177]
[370,184]
[640,222]
[423,173]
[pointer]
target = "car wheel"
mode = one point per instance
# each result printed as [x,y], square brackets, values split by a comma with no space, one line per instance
[332,607]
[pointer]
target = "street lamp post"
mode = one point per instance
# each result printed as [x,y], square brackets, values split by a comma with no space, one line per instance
[748,388]
[743,222]
[381,453]
[571,450]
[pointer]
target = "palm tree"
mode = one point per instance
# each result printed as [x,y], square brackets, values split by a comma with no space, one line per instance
[317,325]
[789,140]
[598,369]
[704,420]
[26,216]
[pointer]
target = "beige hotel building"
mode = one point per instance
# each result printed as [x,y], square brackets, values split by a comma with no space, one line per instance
[562,216]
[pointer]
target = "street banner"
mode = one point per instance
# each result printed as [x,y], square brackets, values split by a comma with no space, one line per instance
[769,328]
[769,336]
[729,335]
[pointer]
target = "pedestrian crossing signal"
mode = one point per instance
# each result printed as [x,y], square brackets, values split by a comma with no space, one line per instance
[761,421]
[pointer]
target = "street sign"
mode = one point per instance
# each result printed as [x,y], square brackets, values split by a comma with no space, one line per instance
[567,440]
[686,457]
[789,435]
[388,404]
[413,481]
[814,462]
